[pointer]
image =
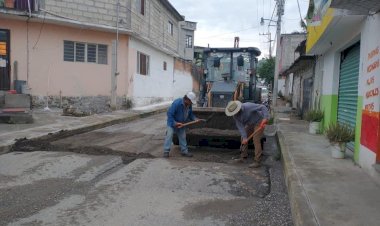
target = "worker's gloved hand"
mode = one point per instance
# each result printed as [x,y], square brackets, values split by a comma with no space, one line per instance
[263,123]
[244,141]
[178,125]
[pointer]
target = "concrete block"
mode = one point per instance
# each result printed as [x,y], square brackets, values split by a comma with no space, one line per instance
[17,101]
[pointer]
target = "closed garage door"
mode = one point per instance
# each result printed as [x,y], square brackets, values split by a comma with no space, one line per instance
[348,87]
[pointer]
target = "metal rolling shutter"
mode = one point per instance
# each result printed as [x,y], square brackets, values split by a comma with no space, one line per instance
[348,88]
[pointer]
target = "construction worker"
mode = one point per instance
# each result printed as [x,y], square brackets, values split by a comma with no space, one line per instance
[249,118]
[179,113]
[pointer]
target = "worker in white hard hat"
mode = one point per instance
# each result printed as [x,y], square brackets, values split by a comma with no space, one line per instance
[249,118]
[178,114]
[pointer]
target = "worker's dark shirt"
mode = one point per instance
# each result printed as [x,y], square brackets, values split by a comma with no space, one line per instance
[178,112]
[250,114]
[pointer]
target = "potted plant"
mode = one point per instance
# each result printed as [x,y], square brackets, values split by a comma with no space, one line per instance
[339,135]
[314,117]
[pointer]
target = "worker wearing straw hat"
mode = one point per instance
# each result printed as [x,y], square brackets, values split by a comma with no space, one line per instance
[248,118]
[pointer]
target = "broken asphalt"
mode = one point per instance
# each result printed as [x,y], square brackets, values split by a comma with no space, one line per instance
[322,190]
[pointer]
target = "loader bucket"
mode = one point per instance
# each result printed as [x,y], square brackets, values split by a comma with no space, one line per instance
[219,130]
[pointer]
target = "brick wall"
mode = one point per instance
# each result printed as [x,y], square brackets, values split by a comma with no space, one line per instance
[153,25]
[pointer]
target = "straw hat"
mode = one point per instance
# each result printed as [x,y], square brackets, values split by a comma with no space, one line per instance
[233,107]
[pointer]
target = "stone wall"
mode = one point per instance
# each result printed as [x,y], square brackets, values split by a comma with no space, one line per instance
[87,104]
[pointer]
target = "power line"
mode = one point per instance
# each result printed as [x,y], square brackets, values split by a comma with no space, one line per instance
[232,32]
[299,10]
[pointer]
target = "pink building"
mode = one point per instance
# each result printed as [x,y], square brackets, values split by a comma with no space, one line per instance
[67,52]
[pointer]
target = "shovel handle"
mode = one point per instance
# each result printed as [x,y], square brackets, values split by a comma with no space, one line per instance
[261,126]
[192,122]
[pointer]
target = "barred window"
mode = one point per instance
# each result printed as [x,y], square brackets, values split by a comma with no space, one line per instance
[170,28]
[189,41]
[91,53]
[85,52]
[142,64]
[141,6]
[102,54]
[79,51]
[68,51]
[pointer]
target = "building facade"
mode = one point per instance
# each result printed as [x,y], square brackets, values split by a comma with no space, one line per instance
[347,44]
[287,55]
[95,53]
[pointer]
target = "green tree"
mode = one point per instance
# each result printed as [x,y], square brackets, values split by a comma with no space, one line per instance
[265,69]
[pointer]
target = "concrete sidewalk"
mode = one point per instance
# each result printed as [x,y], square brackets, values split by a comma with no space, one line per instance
[323,190]
[48,124]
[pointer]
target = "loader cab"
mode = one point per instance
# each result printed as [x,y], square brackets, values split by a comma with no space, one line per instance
[228,70]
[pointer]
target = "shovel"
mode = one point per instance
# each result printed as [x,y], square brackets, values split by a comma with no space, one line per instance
[261,126]
[198,120]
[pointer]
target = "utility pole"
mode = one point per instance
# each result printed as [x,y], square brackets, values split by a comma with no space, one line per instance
[280,12]
[270,42]
[114,69]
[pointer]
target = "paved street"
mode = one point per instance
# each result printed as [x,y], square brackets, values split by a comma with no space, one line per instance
[116,176]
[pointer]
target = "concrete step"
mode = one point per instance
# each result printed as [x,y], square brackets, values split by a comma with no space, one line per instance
[17,101]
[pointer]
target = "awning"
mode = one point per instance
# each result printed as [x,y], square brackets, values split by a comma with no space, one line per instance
[301,62]
[363,7]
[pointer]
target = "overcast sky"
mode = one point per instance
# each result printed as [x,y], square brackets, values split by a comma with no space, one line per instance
[219,21]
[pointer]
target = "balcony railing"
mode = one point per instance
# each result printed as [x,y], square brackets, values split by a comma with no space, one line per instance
[19,5]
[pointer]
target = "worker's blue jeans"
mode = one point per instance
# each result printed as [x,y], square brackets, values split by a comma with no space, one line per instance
[181,133]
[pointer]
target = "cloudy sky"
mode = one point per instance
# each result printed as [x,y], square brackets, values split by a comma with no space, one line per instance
[219,21]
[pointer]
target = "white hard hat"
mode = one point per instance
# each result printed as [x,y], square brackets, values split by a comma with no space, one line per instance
[191,97]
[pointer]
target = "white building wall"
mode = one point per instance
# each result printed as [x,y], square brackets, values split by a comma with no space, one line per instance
[296,100]
[183,83]
[289,85]
[158,85]
[369,74]
[318,82]
[331,62]
[281,86]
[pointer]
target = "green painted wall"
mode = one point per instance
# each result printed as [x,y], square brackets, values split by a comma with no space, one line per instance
[358,128]
[329,105]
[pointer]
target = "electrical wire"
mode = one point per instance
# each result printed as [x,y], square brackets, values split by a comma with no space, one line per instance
[299,9]
[39,35]
[232,32]
[271,18]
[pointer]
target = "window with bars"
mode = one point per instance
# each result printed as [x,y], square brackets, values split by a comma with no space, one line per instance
[85,52]
[189,41]
[141,6]
[165,66]
[170,27]
[142,64]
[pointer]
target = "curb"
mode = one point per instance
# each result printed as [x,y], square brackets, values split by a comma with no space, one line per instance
[66,133]
[302,212]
